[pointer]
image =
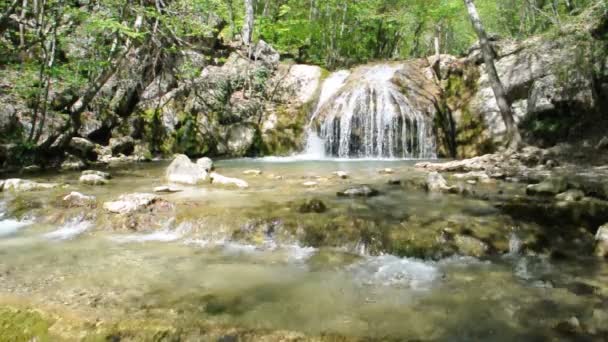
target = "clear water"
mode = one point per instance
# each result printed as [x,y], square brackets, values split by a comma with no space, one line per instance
[193,271]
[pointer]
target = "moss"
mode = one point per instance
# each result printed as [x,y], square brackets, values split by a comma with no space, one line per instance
[23,325]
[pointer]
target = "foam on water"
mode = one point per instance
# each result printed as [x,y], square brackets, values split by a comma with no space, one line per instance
[390,270]
[70,230]
[294,252]
[9,226]
[164,235]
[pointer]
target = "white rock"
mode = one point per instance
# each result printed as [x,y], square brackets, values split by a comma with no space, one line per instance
[130,203]
[93,179]
[436,183]
[76,199]
[166,189]
[182,170]
[216,178]
[205,163]
[101,174]
[340,174]
[310,184]
[386,171]
[479,176]
[18,185]
[252,172]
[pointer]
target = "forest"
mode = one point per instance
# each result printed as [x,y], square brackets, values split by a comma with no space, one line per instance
[303,170]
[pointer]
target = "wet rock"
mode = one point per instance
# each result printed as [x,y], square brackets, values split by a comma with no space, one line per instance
[341,174]
[31,169]
[571,326]
[123,145]
[182,170]
[252,172]
[436,183]
[386,171]
[582,289]
[601,241]
[105,175]
[93,179]
[205,163]
[166,189]
[241,137]
[477,176]
[548,187]
[471,246]
[76,199]
[359,191]
[130,203]
[19,185]
[310,184]
[72,163]
[216,178]
[570,196]
[312,206]
[394,181]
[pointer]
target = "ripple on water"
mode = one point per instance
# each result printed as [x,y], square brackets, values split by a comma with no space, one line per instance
[166,234]
[69,230]
[390,270]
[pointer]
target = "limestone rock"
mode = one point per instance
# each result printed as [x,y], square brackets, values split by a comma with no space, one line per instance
[101,174]
[93,179]
[470,246]
[601,241]
[240,138]
[182,170]
[123,145]
[21,185]
[570,196]
[130,203]
[265,53]
[205,163]
[359,191]
[436,183]
[341,174]
[548,187]
[83,148]
[76,199]
[216,178]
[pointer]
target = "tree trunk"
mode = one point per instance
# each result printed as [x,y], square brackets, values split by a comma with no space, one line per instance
[247,34]
[513,138]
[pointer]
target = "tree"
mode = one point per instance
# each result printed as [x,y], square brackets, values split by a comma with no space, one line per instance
[247,34]
[513,137]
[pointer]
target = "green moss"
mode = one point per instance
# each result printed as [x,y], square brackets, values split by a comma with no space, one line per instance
[23,325]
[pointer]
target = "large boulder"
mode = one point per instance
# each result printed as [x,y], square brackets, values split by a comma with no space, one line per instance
[183,170]
[76,199]
[265,53]
[240,139]
[601,240]
[83,148]
[123,145]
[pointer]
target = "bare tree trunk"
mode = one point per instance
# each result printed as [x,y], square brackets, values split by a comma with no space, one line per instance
[247,34]
[513,138]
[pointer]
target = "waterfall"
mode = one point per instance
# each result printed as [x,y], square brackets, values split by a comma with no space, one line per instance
[364,114]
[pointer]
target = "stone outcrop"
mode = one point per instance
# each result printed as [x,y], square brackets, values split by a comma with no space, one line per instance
[126,204]
[182,170]
[21,185]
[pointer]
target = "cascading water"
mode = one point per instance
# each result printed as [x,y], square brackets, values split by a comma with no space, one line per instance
[366,115]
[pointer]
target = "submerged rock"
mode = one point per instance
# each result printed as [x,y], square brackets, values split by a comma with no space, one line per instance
[470,246]
[386,171]
[166,189]
[183,170]
[359,191]
[601,241]
[130,203]
[252,172]
[76,199]
[341,174]
[310,184]
[436,183]
[19,185]
[105,175]
[312,206]
[216,178]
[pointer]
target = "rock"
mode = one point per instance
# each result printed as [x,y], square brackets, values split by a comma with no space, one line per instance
[570,196]
[569,327]
[216,178]
[436,183]
[123,145]
[359,191]
[101,174]
[93,179]
[312,206]
[386,171]
[394,181]
[478,176]
[470,246]
[182,170]
[205,163]
[1,185]
[265,53]
[31,169]
[602,144]
[72,164]
[20,185]
[252,172]
[601,241]
[76,199]
[83,148]
[341,174]
[130,203]
[300,80]
[166,189]
[310,184]
[240,138]
[548,187]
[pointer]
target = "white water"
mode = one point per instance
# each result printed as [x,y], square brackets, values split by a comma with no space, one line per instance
[166,234]
[390,270]
[69,230]
[9,227]
[368,117]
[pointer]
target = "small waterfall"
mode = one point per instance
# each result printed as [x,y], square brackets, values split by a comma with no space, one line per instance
[364,114]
